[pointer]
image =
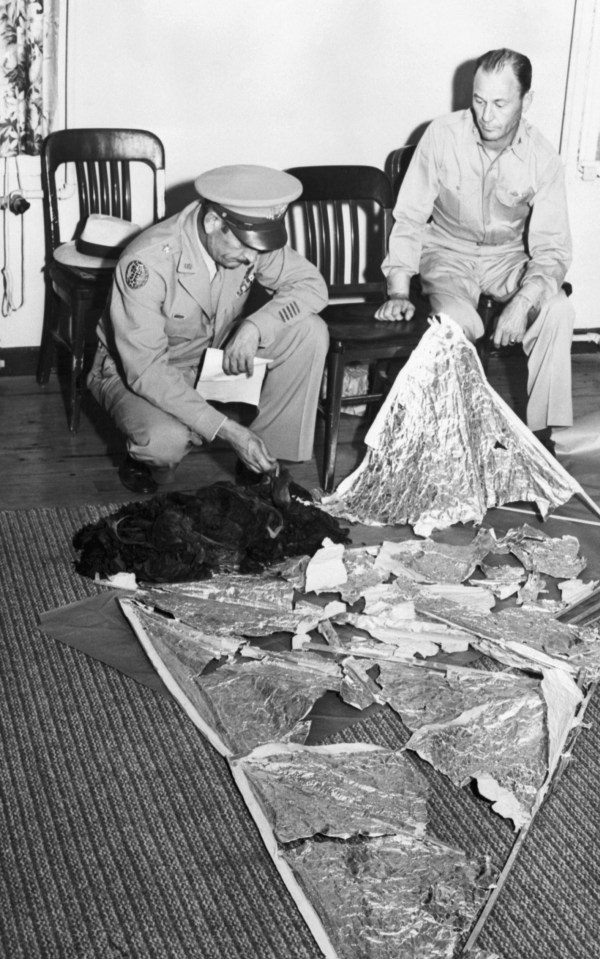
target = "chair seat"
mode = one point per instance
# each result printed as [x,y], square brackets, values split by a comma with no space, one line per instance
[72,282]
[353,327]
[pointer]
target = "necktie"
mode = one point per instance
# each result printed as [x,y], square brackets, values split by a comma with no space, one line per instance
[216,285]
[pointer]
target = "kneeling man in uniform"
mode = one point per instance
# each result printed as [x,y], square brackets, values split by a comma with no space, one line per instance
[180,287]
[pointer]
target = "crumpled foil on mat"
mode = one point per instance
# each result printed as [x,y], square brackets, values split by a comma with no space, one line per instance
[192,649]
[242,704]
[444,447]
[525,638]
[555,556]
[230,616]
[343,790]
[390,897]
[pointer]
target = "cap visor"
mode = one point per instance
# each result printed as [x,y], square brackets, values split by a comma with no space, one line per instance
[270,237]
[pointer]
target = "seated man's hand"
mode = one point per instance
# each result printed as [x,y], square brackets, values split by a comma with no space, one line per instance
[239,354]
[250,449]
[512,323]
[396,308]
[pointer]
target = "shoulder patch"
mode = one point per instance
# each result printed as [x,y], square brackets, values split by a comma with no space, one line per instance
[136,275]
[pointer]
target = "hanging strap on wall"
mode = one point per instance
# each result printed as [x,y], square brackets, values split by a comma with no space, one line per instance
[12,202]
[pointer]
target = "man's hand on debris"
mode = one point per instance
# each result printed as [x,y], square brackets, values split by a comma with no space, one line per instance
[396,308]
[512,323]
[239,354]
[249,447]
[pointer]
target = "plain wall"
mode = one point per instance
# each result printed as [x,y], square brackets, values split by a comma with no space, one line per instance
[283,82]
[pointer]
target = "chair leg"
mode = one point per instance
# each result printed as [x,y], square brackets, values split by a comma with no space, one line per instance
[78,319]
[50,326]
[333,409]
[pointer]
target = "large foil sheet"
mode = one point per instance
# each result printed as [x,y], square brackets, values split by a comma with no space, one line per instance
[424,696]
[444,447]
[227,617]
[343,790]
[470,723]
[193,649]
[252,703]
[391,897]
[503,740]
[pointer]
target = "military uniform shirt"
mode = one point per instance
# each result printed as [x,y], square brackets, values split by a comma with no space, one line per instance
[455,197]
[161,316]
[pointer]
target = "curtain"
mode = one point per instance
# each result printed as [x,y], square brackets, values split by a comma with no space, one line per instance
[28,74]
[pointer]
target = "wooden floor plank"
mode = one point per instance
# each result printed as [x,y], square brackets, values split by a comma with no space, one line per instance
[43,464]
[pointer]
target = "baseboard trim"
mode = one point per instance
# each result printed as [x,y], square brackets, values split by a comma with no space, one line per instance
[19,361]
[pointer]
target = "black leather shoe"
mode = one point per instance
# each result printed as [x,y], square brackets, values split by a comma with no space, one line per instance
[136,476]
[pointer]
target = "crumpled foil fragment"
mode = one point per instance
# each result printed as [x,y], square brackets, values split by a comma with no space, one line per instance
[443,562]
[192,648]
[444,447]
[251,703]
[362,573]
[557,557]
[259,589]
[343,790]
[229,617]
[358,689]
[503,573]
[390,897]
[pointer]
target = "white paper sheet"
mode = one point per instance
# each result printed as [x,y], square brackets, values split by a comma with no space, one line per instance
[214,384]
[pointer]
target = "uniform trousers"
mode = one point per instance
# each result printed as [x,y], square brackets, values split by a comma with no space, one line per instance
[454,280]
[286,414]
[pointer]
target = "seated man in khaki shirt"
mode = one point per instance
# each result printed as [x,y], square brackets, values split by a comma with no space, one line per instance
[182,286]
[482,209]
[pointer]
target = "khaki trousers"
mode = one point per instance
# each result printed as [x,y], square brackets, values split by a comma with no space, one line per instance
[285,419]
[454,281]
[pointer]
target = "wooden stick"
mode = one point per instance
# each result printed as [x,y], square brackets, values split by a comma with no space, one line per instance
[564,519]
[590,502]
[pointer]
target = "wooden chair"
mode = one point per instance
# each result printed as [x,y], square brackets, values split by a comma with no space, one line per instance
[396,165]
[102,160]
[341,224]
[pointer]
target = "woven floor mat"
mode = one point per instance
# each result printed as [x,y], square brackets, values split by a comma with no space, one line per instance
[123,833]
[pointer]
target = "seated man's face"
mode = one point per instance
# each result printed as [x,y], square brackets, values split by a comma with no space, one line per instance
[223,245]
[497,106]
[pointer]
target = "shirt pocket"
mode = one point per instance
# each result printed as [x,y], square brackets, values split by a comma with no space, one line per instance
[513,205]
[458,197]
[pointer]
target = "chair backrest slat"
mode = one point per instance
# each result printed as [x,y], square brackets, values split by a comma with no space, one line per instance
[115,188]
[346,211]
[126,189]
[105,192]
